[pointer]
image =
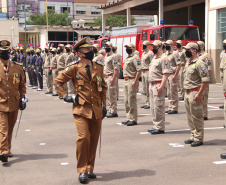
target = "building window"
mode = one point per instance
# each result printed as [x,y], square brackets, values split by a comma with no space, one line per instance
[144,35]
[94,10]
[222,20]
[64,9]
[80,9]
[51,7]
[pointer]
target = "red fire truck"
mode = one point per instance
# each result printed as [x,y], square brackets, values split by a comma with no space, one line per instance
[138,34]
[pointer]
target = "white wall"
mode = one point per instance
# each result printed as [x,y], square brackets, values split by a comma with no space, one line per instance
[217,3]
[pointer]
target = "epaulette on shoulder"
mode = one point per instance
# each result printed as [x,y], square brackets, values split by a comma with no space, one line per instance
[72,63]
[98,62]
[20,64]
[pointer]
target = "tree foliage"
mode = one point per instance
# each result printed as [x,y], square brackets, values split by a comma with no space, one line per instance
[53,19]
[113,21]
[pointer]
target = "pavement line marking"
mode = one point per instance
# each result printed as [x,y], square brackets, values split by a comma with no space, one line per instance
[119,124]
[178,146]
[27,130]
[179,130]
[121,90]
[139,94]
[171,144]
[219,162]
[64,164]
[42,144]
[213,107]
[216,98]
[17,120]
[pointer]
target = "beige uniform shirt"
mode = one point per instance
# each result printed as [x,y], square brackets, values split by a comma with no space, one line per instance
[47,61]
[136,53]
[98,58]
[70,58]
[110,64]
[118,56]
[146,59]
[180,54]
[53,62]
[206,58]
[61,61]
[158,67]
[223,60]
[174,60]
[131,66]
[195,72]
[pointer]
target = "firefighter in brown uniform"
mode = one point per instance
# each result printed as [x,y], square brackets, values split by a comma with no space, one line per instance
[12,90]
[131,72]
[47,71]
[146,59]
[181,53]
[223,67]
[70,58]
[90,88]
[223,53]
[208,60]
[61,65]
[53,67]
[111,73]
[196,79]
[172,83]
[118,58]
[97,56]
[158,75]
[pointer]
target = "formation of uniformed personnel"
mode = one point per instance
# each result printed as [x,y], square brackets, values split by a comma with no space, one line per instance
[12,91]
[97,56]
[33,71]
[118,57]
[181,53]
[158,74]
[111,73]
[28,61]
[53,67]
[61,64]
[131,72]
[39,69]
[172,82]
[208,60]
[88,102]
[70,58]
[196,79]
[48,72]
[146,59]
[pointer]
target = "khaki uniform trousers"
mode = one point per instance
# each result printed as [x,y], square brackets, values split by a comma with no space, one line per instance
[145,75]
[205,101]
[71,89]
[88,134]
[49,80]
[221,77]
[172,93]
[111,95]
[181,82]
[130,97]
[117,88]
[7,122]
[194,116]
[65,85]
[55,74]
[225,110]
[157,106]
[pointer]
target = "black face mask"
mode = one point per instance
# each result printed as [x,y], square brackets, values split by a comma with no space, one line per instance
[61,50]
[38,54]
[155,51]
[68,50]
[53,52]
[94,50]
[168,48]
[28,53]
[32,53]
[114,50]
[224,47]
[58,52]
[178,46]
[163,47]
[89,55]
[129,51]
[199,49]
[5,55]
[21,52]
[46,51]
[144,47]
[188,54]
[107,50]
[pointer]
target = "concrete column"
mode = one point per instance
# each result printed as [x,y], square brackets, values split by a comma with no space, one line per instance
[160,10]
[103,23]
[128,16]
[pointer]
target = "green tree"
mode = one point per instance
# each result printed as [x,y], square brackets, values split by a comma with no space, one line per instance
[113,21]
[53,19]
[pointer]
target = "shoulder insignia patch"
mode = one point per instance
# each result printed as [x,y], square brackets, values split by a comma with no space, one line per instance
[203,67]
[165,61]
[208,58]
[20,64]
[72,63]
